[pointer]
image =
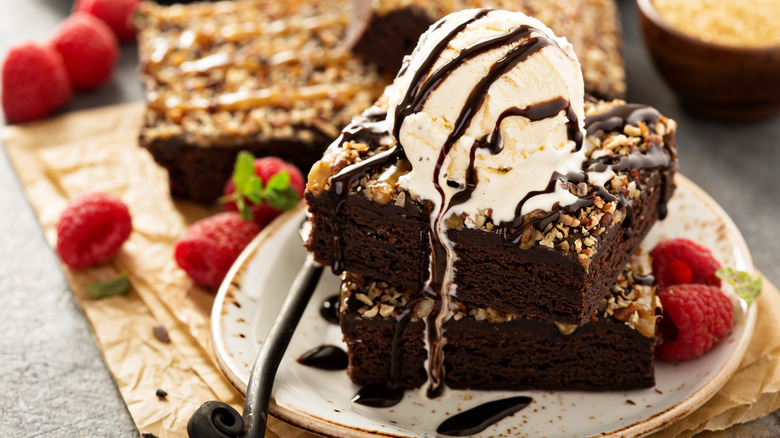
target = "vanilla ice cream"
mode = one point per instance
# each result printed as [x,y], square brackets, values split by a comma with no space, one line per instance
[489,105]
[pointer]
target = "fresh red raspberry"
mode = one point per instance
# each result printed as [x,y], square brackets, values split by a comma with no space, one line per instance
[35,82]
[696,317]
[88,48]
[208,249]
[265,168]
[680,261]
[91,229]
[115,13]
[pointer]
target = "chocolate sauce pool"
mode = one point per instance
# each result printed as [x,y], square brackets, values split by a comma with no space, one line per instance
[329,309]
[325,357]
[477,419]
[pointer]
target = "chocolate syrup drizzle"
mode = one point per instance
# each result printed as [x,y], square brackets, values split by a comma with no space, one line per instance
[371,130]
[424,83]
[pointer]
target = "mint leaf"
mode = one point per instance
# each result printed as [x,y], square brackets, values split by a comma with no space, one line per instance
[279,182]
[249,188]
[747,286]
[103,289]
[279,194]
[282,200]
[254,190]
[244,170]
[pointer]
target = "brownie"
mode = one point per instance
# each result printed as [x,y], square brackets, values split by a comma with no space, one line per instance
[384,31]
[490,349]
[553,266]
[265,76]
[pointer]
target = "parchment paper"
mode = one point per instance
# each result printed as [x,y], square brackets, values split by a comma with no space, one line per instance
[97,149]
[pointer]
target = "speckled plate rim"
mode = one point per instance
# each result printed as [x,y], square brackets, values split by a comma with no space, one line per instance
[328,428]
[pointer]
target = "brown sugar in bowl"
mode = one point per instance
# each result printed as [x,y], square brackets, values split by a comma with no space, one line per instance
[715,80]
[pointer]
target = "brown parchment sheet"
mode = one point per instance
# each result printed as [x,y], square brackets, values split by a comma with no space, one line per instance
[97,149]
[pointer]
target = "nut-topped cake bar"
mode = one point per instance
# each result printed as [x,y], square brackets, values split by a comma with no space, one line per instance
[555,266]
[266,76]
[484,183]
[491,349]
[383,31]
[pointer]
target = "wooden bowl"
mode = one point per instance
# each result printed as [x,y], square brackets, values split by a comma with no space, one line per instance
[725,82]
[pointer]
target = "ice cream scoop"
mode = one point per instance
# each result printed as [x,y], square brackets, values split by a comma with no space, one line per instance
[489,110]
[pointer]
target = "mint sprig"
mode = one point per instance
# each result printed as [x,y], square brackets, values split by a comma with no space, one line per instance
[747,286]
[278,192]
[116,286]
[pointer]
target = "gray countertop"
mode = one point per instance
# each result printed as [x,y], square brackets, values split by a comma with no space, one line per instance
[53,382]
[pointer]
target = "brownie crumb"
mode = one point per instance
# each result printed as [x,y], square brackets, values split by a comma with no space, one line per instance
[161,334]
[631,402]
[161,393]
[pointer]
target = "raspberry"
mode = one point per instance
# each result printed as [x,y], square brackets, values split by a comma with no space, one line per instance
[208,249]
[91,229]
[265,168]
[696,317]
[680,261]
[35,82]
[115,13]
[88,48]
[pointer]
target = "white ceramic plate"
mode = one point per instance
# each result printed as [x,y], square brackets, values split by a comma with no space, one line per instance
[319,401]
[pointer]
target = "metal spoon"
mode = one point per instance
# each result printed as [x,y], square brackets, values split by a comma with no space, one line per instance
[215,419]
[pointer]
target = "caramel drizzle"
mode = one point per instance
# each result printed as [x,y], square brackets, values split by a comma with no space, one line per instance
[249,99]
[252,61]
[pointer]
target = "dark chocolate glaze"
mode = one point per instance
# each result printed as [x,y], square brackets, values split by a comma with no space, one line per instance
[477,419]
[325,357]
[617,117]
[329,309]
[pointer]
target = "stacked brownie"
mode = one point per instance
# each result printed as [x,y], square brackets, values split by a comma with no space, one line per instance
[282,78]
[534,297]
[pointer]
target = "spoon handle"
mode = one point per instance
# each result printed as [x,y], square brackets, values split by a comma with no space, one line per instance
[215,419]
[258,391]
